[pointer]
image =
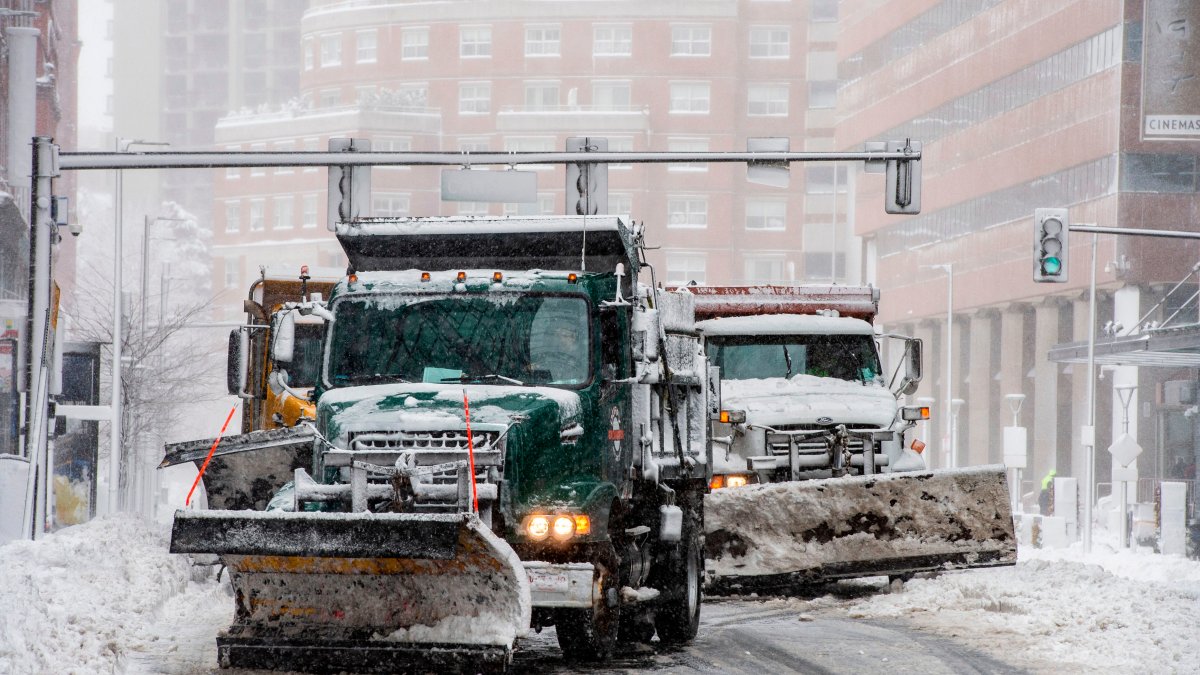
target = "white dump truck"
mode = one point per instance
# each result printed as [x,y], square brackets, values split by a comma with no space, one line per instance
[815,475]
[805,390]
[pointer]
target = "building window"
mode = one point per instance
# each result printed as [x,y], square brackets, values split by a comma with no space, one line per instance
[233,216]
[473,145]
[331,50]
[764,269]
[690,97]
[821,11]
[620,144]
[542,40]
[822,94]
[308,205]
[684,268]
[366,45]
[687,212]
[389,204]
[612,40]
[257,223]
[691,40]
[329,98]
[391,144]
[283,213]
[474,98]
[286,146]
[767,100]
[475,42]
[530,144]
[819,179]
[473,208]
[308,54]
[770,42]
[414,43]
[258,170]
[233,273]
[611,95]
[620,203]
[766,214]
[688,145]
[541,95]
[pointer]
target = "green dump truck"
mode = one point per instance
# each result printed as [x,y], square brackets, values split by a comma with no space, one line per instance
[511,432]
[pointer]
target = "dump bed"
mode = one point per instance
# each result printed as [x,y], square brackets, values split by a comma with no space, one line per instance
[860,302]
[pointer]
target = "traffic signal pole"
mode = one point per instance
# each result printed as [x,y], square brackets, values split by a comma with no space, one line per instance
[900,160]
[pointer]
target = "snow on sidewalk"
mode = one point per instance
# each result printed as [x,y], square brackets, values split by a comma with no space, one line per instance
[1060,611]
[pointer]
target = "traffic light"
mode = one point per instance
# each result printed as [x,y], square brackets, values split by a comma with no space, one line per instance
[1050,245]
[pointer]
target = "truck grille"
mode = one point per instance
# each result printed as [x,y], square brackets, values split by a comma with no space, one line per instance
[420,440]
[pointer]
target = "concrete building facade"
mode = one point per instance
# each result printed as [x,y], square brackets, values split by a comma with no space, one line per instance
[1020,106]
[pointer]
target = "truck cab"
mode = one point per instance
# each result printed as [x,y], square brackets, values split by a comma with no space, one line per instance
[805,395]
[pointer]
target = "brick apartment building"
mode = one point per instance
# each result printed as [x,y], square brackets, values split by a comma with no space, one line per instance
[525,76]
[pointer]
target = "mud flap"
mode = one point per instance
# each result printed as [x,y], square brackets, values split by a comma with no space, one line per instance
[781,535]
[362,591]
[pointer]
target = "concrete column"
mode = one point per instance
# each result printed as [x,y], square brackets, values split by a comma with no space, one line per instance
[1047,317]
[961,348]
[983,413]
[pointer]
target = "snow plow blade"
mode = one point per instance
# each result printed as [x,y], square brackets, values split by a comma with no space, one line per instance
[246,469]
[363,591]
[773,537]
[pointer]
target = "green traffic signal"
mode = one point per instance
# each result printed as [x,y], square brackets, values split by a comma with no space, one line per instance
[1051,265]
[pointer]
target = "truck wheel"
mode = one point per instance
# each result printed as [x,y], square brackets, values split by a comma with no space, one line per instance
[678,615]
[591,634]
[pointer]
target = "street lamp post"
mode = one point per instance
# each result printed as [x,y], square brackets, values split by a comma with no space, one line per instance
[114,464]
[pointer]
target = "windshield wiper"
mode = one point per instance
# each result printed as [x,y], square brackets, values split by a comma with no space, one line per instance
[369,379]
[788,359]
[466,377]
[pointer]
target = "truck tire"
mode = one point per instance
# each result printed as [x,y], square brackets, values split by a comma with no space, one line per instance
[678,616]
[591,634]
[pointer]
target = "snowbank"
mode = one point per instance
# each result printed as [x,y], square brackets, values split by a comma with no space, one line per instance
[94,598]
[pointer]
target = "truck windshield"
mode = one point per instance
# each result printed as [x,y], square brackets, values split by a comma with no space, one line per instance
[306,359]
[529,339]
[846,357]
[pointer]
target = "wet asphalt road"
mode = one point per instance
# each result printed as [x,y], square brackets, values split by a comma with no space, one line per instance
[749,636]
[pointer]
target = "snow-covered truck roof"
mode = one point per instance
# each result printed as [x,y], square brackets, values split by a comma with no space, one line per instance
[576,243]
[784,324]
[861,302]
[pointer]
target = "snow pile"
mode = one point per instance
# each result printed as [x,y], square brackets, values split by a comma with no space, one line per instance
[802,526]
[1099,613]
[93,598]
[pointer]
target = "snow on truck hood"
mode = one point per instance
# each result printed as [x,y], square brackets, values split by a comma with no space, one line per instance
[427,407]
[802,399]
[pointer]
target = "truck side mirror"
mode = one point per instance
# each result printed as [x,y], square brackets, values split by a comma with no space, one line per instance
[283,342]
[235,366]
[912,360]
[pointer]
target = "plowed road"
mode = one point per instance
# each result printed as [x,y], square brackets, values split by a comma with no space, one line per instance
[747,636]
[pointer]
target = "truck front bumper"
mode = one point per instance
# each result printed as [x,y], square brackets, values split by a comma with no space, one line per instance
[554,585]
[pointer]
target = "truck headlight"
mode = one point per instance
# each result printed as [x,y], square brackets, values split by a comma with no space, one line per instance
[732,417]
[537,527]
[564,527]
[734,480]
[914,413]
